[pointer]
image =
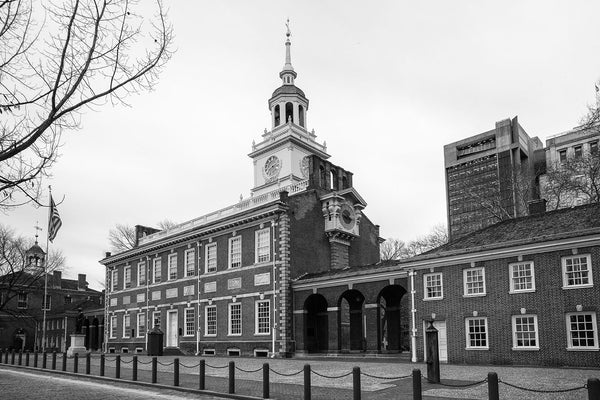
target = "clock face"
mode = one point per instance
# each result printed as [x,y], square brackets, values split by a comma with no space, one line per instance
[304,166]
[272,168]
[347,216]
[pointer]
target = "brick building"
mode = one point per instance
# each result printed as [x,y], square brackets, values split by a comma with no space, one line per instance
[221,283]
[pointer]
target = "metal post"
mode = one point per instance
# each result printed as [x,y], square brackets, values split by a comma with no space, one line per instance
[35,359]
[88,359]
[593,387]
[416,378]
[176,372]
[433,356]
[356,383]
[44,360]
[12,357]
[118,367]
[75,363]
[202,375]
[27,358]
[154,361]
[306,382]
[231,377]
[266,381]
[20,357]
[64,361]
[102,364]
[493,386]
[134,371]
[53,360]
[6,357]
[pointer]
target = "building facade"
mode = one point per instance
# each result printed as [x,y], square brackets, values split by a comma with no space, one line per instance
[488,177]
[222,283]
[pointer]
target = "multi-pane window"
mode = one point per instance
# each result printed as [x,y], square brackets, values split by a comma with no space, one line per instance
[593,148]
[263,317]
[156,270]
[210,321]
[577,271]
[68,299]
[47,303]
[477,333]
[126,325]
[172,261]
[263,245]
[22,300]
[126,277]
[235,252]
[141,325]
[190,264]
[114,279]
[235,319]
[578,151]
[582,331]
[113,327]
[433,286]
[474,281]
[156,319]
[562,155]
[211,257]
[525,332]
[522,278]
[190,325]
[141,273]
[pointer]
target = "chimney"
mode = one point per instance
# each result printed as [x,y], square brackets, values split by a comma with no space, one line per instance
[81,283]
[108,254]
[537,207]
[57,279]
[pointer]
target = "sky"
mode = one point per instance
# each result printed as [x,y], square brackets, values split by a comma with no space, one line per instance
[389,83]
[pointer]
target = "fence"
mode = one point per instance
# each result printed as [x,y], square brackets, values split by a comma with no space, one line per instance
[493,381]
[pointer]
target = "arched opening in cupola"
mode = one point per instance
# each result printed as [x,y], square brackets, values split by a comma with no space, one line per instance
[289,112]
[276,115]
[301,115]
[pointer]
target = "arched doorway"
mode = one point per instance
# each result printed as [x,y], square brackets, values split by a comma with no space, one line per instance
[316,324]
[350,325]
[391,335]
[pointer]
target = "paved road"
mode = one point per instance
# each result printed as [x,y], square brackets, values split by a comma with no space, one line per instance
[42,386]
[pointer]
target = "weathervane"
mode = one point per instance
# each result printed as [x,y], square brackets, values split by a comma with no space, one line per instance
[37,228]
[287,25]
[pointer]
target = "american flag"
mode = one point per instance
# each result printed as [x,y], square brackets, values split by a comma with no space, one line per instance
[54,223]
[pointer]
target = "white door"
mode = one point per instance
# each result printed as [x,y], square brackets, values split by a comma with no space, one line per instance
[442,339]
[171,328]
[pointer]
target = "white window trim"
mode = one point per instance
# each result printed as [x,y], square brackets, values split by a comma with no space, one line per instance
[169,265]
[206,259]
[185,261]
[206,321]
[441,297]
[142,267]
[138,330]
[125,329]
[465,283]
[185,321]
[256,234]
[113,327]
[467,337]
[570,347]
[514,333]
[48,306]
[256,318]
[229,321]
[26,301]
[125,282]
[154,275]
[114,280]
[590,272]
[512,289]
[229,248]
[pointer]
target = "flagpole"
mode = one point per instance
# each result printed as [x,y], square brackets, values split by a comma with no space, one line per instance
[44,305]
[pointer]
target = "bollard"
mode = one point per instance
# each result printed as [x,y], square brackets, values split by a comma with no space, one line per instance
[356,383]
[12,357]
[53,360]
[201,375]
[44,359]
[88,361]
[176,372]
[102,364]
[154,361]
[265,380]
[493,393]
[6,357]
[416,378]
[20,357]
[75,362]
[231,377]
[35,357]
[593,387]
[64,361]
[27,359]
[134,371]
[118,367]
[306,382]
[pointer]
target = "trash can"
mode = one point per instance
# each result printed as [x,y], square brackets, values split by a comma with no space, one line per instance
[155,342]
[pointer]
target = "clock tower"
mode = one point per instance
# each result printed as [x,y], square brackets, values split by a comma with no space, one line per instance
[281,158]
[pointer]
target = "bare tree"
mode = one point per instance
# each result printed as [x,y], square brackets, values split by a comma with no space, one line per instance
[591,119]
[573,181]
[17,272]
[392,249]
[395,249]
[85,54]
[122,237]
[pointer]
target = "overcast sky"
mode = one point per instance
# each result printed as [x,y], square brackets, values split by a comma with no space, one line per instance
[389,83]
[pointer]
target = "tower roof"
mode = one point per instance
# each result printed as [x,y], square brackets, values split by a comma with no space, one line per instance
[288,89]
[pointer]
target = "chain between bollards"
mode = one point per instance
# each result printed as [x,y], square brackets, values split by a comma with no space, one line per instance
[493,393]
[266,393]
[202,375]
[306,382]
[231,377]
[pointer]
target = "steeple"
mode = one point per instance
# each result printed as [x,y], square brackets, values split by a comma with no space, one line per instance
[288,74]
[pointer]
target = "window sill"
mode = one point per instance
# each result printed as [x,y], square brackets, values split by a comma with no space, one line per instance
[433,298]
[234,334]
[475,295]
[583,349]
[525,349]
[578,286]
[262,334]
[522,291]
[215,335]
[477,348]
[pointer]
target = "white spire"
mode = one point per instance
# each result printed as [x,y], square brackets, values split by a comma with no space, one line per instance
[288,74]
